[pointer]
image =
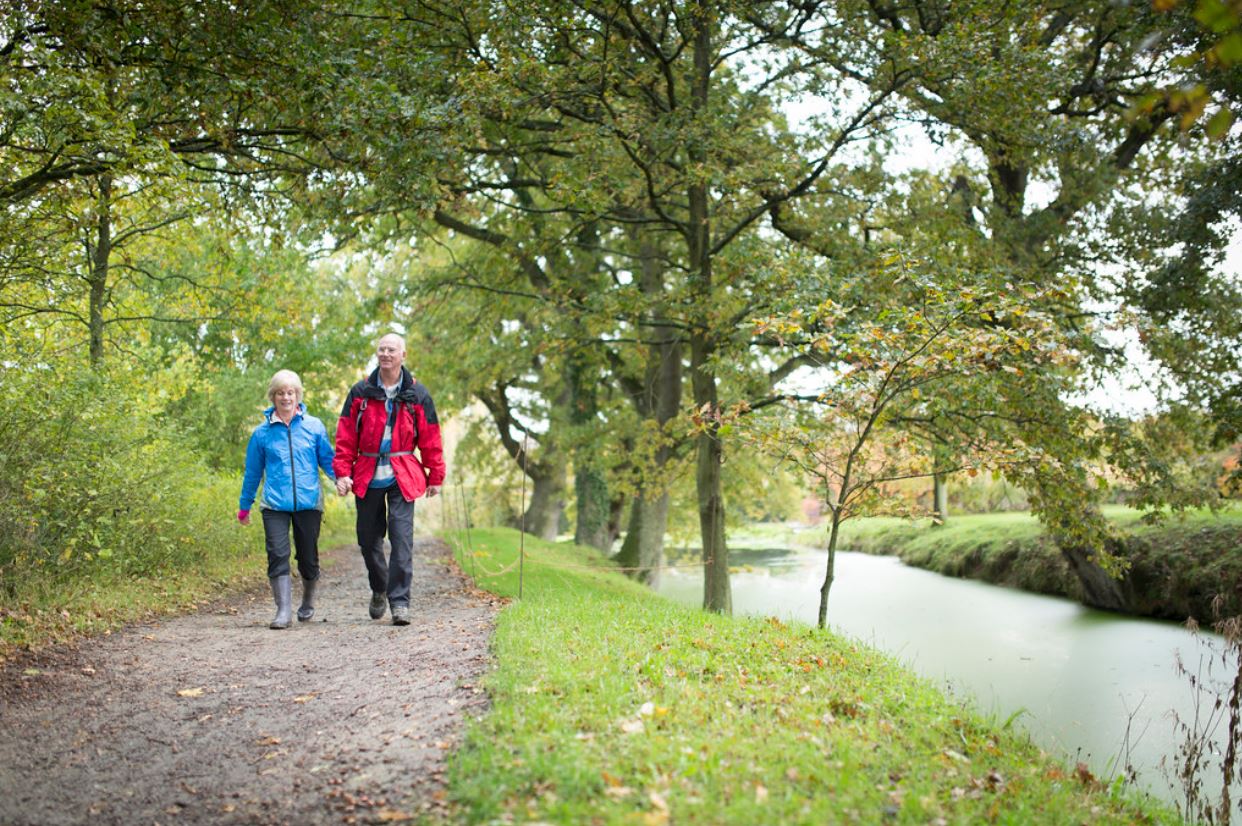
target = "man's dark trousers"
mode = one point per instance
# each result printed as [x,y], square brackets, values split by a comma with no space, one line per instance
[385,510]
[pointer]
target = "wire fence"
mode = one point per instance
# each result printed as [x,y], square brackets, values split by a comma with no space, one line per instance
[456,525]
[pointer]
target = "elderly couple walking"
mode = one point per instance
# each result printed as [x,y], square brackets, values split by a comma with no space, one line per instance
[388,453]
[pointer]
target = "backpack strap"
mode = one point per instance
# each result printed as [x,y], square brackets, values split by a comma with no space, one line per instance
[413,424]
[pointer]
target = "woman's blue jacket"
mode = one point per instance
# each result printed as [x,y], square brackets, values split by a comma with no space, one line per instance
[287,458]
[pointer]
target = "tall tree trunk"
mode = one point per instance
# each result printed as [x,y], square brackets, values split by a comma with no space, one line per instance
[545,477]
[97,277]
[716,591]
[642,551]
[547,501]
[940,499]
[717,595]
[616,509]
[590,484]
[594,509]
[657,399]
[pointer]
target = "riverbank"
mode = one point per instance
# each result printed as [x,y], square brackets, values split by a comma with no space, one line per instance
[611,704]
[1176,568]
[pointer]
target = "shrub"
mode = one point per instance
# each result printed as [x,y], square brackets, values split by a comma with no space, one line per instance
[97,480]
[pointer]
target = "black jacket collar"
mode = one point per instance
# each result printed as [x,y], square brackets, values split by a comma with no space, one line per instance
[375,390]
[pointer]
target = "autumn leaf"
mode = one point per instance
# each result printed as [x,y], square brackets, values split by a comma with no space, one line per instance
[190,692]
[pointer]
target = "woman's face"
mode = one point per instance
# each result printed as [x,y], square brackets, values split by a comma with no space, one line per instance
[285,399]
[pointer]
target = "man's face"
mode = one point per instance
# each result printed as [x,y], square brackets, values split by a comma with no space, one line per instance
[390,353]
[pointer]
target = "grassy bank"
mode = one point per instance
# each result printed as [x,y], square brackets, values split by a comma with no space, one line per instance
[213,554]
[613,705]
[1176,567]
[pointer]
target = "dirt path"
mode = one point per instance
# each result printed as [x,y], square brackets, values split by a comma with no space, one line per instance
[214,718]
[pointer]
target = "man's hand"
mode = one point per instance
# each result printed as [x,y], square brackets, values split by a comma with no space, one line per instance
[343,485]
[243,517]
[433,490]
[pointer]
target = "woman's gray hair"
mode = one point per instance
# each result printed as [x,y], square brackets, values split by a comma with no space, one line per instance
[284,378]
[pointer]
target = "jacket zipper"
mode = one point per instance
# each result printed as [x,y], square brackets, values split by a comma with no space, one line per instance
[293,473]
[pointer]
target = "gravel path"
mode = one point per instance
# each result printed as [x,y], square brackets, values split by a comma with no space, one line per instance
[214,718]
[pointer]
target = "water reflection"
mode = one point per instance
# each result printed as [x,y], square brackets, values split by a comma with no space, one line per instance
[1090,685]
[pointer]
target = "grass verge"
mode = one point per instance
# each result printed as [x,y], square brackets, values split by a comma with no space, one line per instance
[40,608]
[613,705]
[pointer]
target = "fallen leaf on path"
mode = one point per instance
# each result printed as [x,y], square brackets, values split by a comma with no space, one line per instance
[268,741]
[305,698]
[190,692]
[31,672]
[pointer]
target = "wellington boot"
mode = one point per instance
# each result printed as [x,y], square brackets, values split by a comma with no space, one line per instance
[307,609]
[282,591]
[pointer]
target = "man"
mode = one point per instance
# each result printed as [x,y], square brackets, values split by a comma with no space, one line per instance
[386,417]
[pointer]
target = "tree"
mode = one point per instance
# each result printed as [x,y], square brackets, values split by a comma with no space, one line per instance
[678,107]
[1060,119]
[918,344]
[120,121]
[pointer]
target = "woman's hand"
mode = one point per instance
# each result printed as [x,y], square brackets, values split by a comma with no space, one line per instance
[243,517]
[343,485]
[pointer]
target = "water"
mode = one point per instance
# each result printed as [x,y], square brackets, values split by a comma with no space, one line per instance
[1087,685]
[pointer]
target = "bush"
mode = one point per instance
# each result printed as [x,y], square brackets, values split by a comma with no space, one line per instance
[96,481]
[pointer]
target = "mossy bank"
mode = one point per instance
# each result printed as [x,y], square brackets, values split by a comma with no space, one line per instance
[613,705]
[1176,568]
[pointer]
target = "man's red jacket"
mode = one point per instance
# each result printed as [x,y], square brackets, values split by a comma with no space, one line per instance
[360,430]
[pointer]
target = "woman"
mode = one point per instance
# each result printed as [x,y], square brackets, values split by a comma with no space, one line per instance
[286,451]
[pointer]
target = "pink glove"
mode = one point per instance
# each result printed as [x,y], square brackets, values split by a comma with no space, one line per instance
[243,517]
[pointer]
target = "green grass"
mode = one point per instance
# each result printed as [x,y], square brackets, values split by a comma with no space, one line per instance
[40,609]
[613,705]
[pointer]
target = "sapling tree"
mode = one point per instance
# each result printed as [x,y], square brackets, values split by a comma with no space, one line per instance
[934,348]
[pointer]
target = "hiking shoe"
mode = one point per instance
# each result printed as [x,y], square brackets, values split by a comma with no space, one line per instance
[400,615]
[379,604]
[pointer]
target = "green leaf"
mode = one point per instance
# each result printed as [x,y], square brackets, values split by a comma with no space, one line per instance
[1219,124]
[1229,50]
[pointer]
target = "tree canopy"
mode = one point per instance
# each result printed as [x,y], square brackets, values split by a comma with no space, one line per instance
[639,234]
